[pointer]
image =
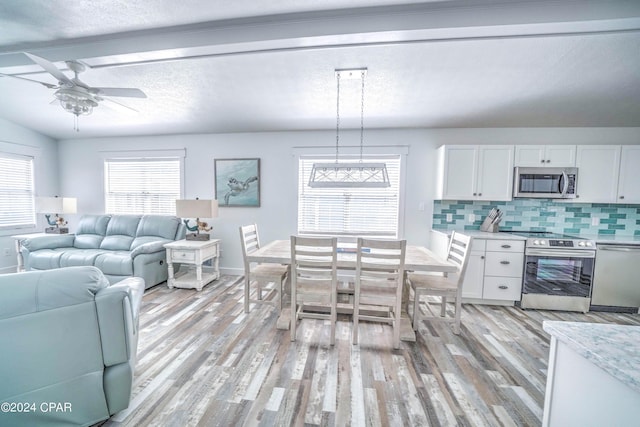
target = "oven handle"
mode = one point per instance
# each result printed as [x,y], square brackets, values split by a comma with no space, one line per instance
[561,253]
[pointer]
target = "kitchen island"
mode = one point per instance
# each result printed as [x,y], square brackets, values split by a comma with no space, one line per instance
[594,375]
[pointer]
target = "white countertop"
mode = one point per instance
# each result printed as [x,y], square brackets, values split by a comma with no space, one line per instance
[476,234]
[613,348]
[604,238]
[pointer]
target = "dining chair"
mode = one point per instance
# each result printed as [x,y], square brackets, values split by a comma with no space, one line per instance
[314,279]
[261,274]
[443,286]
[378,283]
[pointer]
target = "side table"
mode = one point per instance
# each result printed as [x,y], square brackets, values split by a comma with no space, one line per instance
[193,252]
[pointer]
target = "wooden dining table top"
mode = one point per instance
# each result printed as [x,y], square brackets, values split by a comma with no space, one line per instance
[417,258]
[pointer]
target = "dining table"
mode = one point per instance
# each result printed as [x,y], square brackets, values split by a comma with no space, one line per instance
[417,258]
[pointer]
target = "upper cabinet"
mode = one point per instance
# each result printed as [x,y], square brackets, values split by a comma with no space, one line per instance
[629,183]
[475,172]
[598,168]
[546,155]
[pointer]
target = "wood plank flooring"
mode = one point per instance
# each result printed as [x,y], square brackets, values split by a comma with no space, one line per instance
[203,362]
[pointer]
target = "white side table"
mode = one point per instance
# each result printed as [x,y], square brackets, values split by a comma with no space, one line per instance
[193,252]
[19,238]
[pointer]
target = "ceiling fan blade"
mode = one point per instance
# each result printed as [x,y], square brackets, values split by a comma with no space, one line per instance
[47,85]
[50,68]
[119,91]
[118,106]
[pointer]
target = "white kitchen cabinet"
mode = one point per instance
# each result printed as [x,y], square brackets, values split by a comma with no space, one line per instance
[495,270]
[474,276]
[598,170]
[545,155]
[628,183]
[475,172]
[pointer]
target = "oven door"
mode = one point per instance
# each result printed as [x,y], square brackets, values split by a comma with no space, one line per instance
[558,272]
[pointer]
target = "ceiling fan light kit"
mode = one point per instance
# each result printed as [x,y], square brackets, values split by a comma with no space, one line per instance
[349,174]
[75,96]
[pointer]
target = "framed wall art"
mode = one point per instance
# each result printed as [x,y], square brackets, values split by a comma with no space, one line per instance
[237,182]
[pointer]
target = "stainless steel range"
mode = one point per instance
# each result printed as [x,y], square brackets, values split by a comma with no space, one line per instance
[558,272]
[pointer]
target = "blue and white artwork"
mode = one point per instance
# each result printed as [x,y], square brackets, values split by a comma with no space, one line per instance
[237,182]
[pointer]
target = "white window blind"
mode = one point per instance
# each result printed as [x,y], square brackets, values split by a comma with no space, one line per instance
[16,191]
[142,186]
[349,211]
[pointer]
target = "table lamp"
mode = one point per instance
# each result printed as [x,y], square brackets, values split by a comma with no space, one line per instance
[56,206]
[197,209]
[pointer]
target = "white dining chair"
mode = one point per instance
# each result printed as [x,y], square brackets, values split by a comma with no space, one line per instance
[260,274]
[443,286]
[314,279]
[378,283]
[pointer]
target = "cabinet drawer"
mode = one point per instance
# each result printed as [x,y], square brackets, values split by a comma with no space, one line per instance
[183,256]
[505,246]
[502,288]
[505,264]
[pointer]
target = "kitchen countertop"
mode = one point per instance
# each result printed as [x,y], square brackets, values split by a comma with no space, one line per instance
[613,348]
[477,234]
[605,238]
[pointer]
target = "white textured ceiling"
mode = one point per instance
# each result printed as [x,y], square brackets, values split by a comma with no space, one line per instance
[232,66]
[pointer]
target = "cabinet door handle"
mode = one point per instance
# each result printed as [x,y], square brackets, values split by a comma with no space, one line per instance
[548,161]
[479,194]
[481,256]
[503,287]
[505,262]
[506,246]
[622,197]
[542,161]
[475,194]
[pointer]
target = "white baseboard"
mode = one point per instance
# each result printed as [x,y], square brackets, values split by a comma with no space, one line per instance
[7,270]
[232,271]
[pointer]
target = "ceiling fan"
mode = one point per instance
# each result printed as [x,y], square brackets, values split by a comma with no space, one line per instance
[75,96]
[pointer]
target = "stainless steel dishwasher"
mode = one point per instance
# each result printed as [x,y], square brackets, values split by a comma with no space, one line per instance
[616,283]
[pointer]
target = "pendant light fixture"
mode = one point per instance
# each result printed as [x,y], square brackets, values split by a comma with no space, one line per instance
[349,174]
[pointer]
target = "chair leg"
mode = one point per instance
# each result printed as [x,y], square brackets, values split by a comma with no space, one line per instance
[294,315]
[334,320]
[396,324]
[356,319]
[456,325]
[416,308]
[443,307]
[246,293]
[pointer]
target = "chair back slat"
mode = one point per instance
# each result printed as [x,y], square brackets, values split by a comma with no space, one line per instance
[459,249]
[380,265]
[314,261]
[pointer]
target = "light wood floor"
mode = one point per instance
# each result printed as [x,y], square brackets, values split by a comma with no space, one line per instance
[202,361]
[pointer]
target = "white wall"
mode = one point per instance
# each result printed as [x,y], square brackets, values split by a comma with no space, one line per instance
[20,140]
[81,170]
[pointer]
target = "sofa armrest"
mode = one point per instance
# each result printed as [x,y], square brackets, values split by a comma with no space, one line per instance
[49,242]
[118,307]
[149,248]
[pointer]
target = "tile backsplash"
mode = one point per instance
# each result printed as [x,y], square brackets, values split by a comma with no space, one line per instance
[541,215]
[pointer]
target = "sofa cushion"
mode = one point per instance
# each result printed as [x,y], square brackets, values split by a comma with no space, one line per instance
[120,232]
[117,263]
[158,226]
[46,259]
[75,257]
[90,231]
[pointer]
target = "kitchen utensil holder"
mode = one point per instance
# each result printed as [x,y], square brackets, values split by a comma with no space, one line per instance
[489,226]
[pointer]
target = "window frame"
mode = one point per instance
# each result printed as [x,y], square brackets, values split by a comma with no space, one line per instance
[31,158]
[398,152]
[151,155]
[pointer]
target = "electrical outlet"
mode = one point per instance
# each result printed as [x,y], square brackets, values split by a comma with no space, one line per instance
[421,206]
[595,220]
[449,217]
[472,218]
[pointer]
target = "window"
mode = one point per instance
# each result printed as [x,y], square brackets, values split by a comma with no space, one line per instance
[142,185]
[349,211]
[16,191]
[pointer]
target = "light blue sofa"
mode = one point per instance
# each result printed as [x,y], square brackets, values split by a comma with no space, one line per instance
[119,245]
[68,342]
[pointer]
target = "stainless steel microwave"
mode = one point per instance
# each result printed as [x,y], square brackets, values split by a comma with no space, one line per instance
[545,183]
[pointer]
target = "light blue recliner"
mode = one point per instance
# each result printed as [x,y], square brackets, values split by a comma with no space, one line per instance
[119,245]
[68,345]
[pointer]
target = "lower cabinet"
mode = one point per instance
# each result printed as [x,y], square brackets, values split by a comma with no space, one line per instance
[495,270]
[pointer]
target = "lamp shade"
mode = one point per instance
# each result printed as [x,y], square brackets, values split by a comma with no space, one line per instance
[197,208]
[56,205]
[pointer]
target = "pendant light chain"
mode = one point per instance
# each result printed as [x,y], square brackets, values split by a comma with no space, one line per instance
[337,115]
[362,116]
